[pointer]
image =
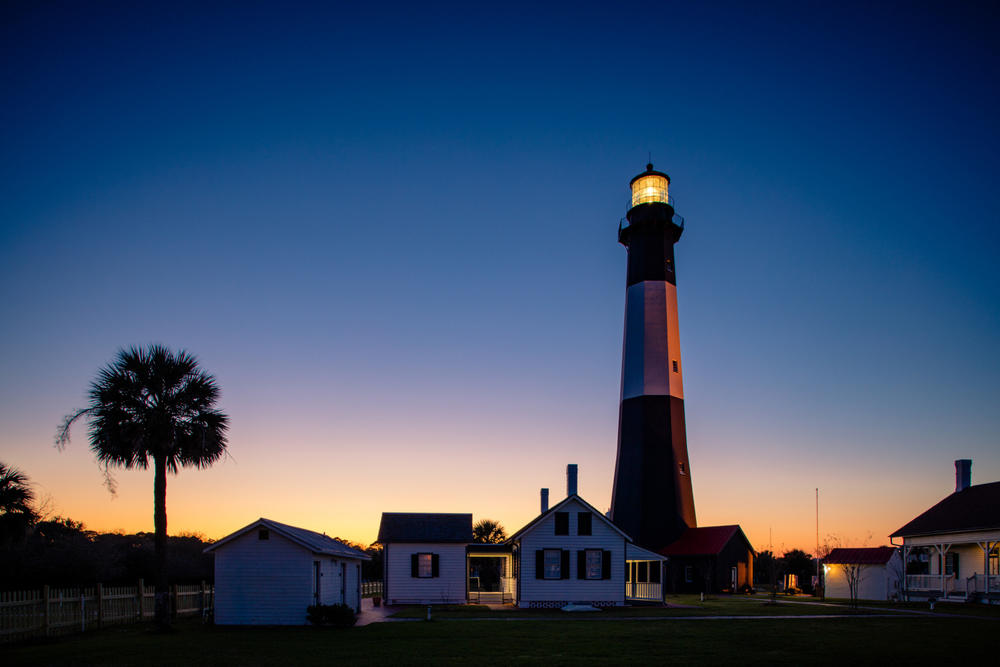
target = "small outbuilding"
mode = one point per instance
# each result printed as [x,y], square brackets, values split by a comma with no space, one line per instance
[875,572]
[710,559]
[268,573]
[424,557]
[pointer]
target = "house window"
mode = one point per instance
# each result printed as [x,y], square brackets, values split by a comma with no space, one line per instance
[425,566]
[951,564]
[584,523]
[595,563]
[552,564]
[994,562]
[688,573]
[263,534]
[562,523]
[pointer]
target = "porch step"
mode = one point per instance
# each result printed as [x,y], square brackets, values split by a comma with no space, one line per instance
[490,598]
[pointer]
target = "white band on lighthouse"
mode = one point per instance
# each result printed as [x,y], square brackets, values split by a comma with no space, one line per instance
[651,359]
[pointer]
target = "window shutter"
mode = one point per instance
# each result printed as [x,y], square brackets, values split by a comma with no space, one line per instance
[564,565]
[581,564]
[606,565]
[435,567]
[539,564]
[413,565]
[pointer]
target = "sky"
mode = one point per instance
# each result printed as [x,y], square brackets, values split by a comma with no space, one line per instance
[391,234]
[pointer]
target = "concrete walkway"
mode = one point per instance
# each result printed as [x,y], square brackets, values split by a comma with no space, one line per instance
[382,614]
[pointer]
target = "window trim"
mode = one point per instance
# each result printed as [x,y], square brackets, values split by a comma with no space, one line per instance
[545,569]
[599,564]
[430,565]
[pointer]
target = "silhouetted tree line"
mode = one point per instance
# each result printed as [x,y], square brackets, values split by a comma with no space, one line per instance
[62,552]
[770,569]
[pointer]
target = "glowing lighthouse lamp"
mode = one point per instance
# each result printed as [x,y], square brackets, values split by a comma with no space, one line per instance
[650,187]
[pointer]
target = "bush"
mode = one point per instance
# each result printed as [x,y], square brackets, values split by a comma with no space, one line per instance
[336,615]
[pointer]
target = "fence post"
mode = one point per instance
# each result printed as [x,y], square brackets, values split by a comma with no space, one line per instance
[100,605]
[45,613]
[138,600]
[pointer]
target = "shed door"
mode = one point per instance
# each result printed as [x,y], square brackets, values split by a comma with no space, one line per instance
[316,580]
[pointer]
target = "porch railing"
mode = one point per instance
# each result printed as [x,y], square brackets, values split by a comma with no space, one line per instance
[934,582]
[977,583]
[643,590]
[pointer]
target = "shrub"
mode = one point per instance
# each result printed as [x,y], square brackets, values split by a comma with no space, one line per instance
[336,615]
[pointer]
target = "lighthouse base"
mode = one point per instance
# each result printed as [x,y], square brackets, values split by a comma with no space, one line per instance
[652,501]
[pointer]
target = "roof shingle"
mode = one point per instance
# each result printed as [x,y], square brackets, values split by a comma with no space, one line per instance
[974,508]
[859,556]
[418,527]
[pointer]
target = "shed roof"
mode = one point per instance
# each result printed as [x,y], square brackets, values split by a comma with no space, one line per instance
[705,541]
[317,543]
[422,527]
[974,508]
[859,556]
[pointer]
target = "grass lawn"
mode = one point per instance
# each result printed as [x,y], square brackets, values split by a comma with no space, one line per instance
[749,641]
[688,605]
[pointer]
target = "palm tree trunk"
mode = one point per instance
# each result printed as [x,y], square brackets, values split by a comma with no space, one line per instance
[162,608]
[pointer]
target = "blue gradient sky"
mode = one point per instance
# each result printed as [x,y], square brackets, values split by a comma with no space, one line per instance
[391,235]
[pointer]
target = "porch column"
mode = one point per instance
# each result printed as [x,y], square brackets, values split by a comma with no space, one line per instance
[906,559]
[942,552]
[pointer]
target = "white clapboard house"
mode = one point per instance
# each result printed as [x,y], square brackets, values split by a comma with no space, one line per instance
[268,573]
[573,553]
[568,553]
[424,558]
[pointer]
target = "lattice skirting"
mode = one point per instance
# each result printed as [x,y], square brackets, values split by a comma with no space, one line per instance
[556,604]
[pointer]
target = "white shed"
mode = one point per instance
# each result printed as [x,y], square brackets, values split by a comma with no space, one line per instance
[268,573]
[877,572]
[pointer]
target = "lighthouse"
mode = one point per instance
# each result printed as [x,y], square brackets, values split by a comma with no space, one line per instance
[652,499]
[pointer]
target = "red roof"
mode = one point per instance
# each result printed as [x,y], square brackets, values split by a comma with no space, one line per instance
[860,556]
[705,541]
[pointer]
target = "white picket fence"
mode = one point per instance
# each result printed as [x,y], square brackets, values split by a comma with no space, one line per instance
[57,611]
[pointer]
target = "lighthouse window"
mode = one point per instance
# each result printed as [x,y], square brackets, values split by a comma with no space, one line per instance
[675,366]
[682,468]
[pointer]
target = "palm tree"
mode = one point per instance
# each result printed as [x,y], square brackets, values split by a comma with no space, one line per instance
[16,504]
[153,405]
[488,531]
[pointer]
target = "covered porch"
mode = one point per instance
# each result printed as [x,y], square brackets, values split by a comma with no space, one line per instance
[956,567]
[643,575]
[489,574]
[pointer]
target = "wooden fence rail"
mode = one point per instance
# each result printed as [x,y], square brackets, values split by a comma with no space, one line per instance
[57,611]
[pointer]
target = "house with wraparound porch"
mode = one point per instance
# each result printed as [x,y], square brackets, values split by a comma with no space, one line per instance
[952,551]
